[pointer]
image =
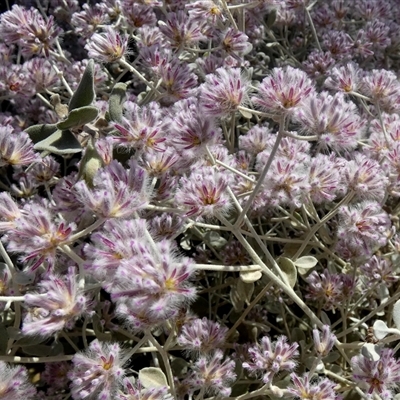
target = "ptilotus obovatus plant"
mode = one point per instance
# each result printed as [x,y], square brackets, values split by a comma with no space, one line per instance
[199,200]
[59,138]
[65,137]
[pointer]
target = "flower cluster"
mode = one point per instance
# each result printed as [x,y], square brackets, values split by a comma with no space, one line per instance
[210,185]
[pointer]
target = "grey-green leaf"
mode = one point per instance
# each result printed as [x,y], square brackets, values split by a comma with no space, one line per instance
[289,270]
[152,377]
[40,132]
[84,94]
[116,102]
[60,142]
[78,117]
[271,18]
[3,338]
[91,162]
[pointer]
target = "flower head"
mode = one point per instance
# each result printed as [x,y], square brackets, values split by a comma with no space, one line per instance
[181,30]
[269,358]
[384,89]
[109,46]
[235,43]
[224,91]
[204,193]
[202,335]
[136,391]
[329,289]
[143,131]
[323,343]
[116,192]
[335,121]
[16,148]
[37,234]
[325,178]
[366,178]
[29,29]
[377,376]
[213,374]
[190,132]
[97,373]
[363,227]
[14,383]
[303,389]
[344,79]
[380,270]
[114,243]
[58,305]
[283,91]
[152,286]
[86,21]
[177,80]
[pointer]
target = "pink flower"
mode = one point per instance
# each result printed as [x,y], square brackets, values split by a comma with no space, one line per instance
[323,343]
[224,91]
[97,373]
[269,358]
[116,192]
[346,79]
[235,43]
[58,305]
[377,376]
[143,131]
[202,335]
[335,121]
[86,21]
[109,46]
[364,227]
[212,374]
[283,91]
[152,286]
[204,193]
[113,244]
[323,389]
[16,148]
[181,30]
[366,178]
[328,289]
[384,89]
[15,383]
[325,178]
[30,30]
[36,235]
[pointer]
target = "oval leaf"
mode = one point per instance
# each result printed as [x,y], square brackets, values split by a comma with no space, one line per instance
[396,314]
[3,339]
[215,240]
[79,117]
[271,18]
[84,94]
[245,290]
[250,276]
[306,262]
[91,162]
[289,270]
[246,114]
[40,132]
[60,142]
[152,377]
[116,102]
[236,299]
[371,351]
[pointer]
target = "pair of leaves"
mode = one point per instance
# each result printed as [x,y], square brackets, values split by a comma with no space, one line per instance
[381,330]
[290,268]
[57,138]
